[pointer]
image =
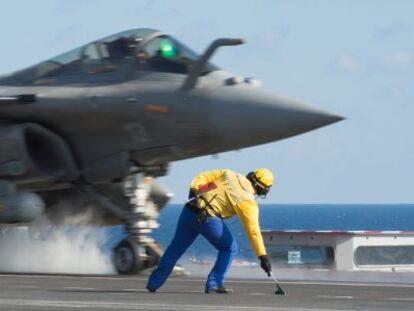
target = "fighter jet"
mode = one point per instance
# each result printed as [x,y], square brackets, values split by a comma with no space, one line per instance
[95,125]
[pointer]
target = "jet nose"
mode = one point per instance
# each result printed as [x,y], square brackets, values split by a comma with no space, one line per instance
[253,116]
[289,116]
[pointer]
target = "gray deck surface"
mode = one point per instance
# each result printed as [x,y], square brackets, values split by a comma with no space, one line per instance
[37,292]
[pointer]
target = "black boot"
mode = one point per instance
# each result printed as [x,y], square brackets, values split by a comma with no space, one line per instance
[219,290]
[150,289]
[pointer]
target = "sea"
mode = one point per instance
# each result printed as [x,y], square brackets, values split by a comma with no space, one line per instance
[294,217]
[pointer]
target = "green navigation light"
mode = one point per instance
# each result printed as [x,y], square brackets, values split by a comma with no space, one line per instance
[167,48]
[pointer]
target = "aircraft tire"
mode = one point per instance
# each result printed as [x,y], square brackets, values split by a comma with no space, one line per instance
[126,257]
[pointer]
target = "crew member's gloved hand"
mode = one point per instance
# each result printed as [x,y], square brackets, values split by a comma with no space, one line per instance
[265,264]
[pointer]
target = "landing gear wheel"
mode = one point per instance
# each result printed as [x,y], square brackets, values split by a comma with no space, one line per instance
[126,257]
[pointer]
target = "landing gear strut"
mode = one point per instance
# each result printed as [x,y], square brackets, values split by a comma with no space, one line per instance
[138,251]
[144,198]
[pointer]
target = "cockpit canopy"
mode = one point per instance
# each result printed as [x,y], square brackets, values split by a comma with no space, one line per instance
[128,51]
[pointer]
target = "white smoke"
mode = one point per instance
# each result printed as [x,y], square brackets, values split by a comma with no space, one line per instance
[73,247]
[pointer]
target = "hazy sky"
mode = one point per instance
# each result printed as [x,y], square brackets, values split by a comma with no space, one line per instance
[354,58]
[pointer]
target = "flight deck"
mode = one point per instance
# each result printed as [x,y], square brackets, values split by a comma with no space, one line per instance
[39,292]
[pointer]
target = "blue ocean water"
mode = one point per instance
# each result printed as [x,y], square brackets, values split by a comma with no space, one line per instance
[295,217]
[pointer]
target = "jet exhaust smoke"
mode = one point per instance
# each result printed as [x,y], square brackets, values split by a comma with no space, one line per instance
[73,247]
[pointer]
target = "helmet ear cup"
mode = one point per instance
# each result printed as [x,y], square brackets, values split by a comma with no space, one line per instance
[250,176]
[261,190]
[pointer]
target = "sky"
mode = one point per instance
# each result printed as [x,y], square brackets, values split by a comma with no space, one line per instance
[353,58]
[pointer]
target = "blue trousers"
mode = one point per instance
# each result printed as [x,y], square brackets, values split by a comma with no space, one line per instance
[214,230]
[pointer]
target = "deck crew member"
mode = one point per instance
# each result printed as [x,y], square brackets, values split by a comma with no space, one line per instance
[216,195]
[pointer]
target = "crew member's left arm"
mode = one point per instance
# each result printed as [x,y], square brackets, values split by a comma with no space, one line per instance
[248,212]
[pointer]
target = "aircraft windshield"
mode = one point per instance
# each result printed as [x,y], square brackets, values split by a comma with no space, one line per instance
[141,49]
[165,54]
[108,54]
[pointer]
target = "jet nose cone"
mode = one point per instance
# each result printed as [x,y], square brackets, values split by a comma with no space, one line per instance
[255,117]
[293,116]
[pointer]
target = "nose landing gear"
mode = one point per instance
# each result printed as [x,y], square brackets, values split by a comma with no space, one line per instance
[130,258]
[137,251]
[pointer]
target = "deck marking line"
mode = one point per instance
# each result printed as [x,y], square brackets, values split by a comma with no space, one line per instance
[335,297]
[80,288]
[115,278]
[401,299]
[124,306]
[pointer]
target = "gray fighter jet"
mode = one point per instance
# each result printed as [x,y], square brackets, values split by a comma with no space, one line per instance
[93,126]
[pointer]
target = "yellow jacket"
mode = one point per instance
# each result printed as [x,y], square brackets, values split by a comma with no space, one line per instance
[224,193]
